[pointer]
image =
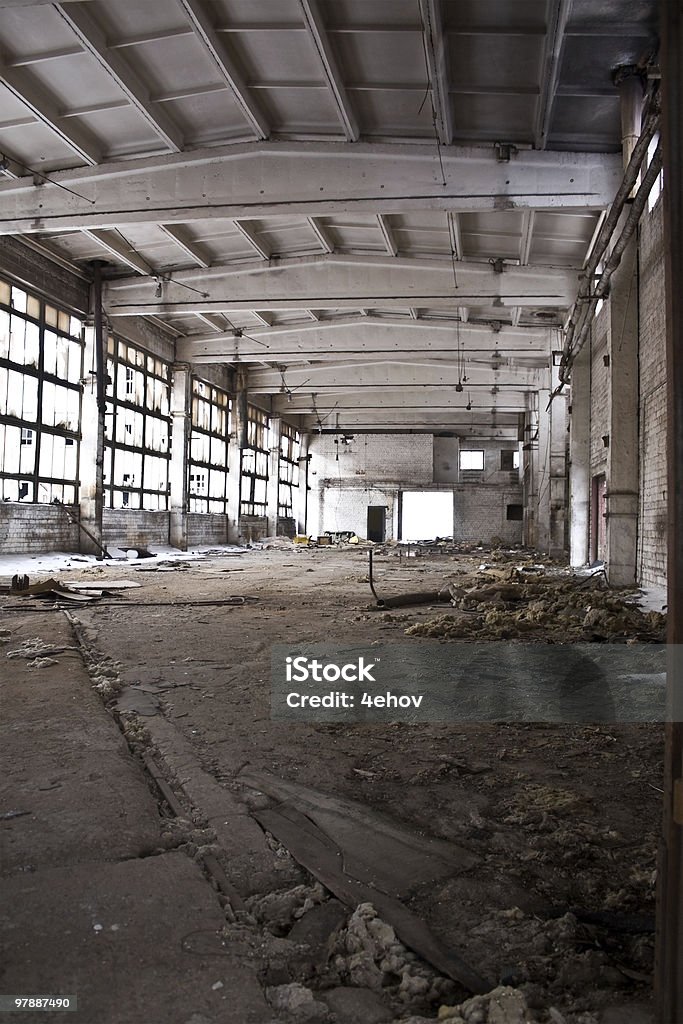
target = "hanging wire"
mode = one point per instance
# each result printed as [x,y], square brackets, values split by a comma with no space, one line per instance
[46,177]
[429,91]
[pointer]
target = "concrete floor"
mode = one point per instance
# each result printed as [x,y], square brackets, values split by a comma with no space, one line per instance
[105,894]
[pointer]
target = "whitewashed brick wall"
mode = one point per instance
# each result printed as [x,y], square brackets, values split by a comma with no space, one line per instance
[652,540]
[29,529]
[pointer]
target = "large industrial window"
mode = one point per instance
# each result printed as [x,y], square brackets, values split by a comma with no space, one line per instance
[41,366]
[254,468]
[209,448]
[137,428]
[290,449]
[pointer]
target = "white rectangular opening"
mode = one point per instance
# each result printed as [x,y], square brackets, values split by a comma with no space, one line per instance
[427,515]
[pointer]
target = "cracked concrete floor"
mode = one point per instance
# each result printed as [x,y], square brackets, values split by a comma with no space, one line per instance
[560,818]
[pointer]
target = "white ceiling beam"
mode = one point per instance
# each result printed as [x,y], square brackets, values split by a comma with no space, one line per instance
[322,234]
[115,244]
[557,16]
[387,234]
[41,104]
[347,378]
[190,248]
[215,47]
[370,335]
[437,65]
[404,400]
[249,234]
[310,180]
[94,41]
[457,252]
[344,282]
[525,243]
[316,29]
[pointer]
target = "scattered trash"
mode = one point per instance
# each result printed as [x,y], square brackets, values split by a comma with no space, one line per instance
[52,588]
[135,552]
[36,648]
[7,815]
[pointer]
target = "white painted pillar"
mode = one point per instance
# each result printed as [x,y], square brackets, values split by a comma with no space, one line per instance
[273,485]
[542,482]
[178,470]
[579,468]
[558,490]
[529,473]
[91,493]
[301,510]
[622,455]
[237,440]
[622,474]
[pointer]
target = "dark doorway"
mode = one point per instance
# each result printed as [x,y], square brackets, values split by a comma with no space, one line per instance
[377,518]
[598,520]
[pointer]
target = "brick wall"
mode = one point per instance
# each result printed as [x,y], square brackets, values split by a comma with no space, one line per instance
[446,461]
[252,528]
[128,528]
[374,469]
[480,513]
[376,458]
[35,528]
[371,470]
[206,529]
[346,508]
[652,540]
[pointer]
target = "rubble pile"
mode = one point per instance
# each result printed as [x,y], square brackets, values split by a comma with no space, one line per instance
[521,603]
[367,954]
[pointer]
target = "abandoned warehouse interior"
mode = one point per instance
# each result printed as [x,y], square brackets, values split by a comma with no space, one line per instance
[341,435]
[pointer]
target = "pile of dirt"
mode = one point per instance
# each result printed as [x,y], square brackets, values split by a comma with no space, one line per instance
[523,604]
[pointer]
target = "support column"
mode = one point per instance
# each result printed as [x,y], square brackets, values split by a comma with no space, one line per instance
[529,474]
[542,473]
[301,500]
[622,472]
[91,495]
[178,473]
[273,485]
[557,468]
[237,441]
[579,455]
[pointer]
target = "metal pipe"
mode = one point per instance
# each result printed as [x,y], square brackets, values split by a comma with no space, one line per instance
[631,174]
[614,260]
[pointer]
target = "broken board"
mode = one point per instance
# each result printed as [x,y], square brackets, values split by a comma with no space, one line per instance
[318,854]
[376,850]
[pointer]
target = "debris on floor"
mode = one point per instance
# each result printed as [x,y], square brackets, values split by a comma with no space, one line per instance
[21,587]
[504,604]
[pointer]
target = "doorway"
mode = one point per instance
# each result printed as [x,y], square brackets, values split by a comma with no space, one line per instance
[377,523]
[598,518]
